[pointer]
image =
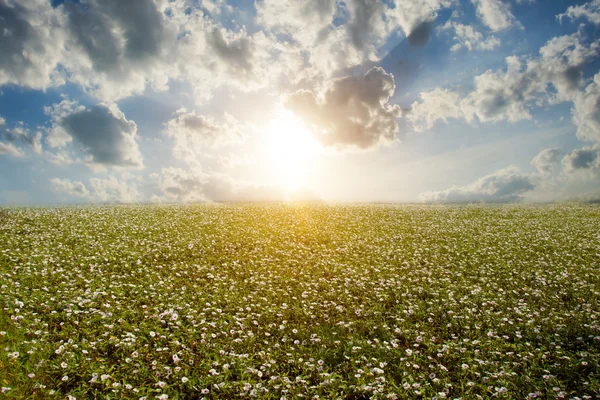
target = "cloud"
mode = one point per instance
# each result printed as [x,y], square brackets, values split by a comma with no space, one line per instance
[101,132]
[306,21]
[553,77]
[210,56]
[546,161]
[192,185]
[415,18]
[467,36]
[115,190]
[589,11]
[361,27]
[31,44]
[586,113]
[585,160]
[114,50]
[10,149]
[495,14]
[2,121]
[503,186]
[111,189]
[194,133]
[366,23]
[439,104]
[69,187]
[116,47]
[21,134]
[352,111]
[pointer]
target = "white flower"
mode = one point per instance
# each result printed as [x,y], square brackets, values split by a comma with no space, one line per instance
[65,378]
[184,379]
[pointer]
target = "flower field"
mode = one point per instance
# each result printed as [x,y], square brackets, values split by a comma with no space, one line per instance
[300,301]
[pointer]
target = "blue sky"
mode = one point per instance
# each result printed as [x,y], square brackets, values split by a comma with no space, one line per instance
[340,100]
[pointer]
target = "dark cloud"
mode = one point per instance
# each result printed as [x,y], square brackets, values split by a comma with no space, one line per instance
[352,112]
[92,31]
[584,159]
[13,21]
[29,46]
[103,132]
[237,53]
[506,185]
[99,27]
[421,34]
[365,19]
[20,134]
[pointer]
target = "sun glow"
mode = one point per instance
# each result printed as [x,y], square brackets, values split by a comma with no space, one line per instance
[292,151]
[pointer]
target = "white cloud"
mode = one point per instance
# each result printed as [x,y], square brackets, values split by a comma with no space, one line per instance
[194,133]
[586,113]
[495,14]
[409,14]
[439,104]
[9,149]
[351,111]
[506,185]
[192,185]
[101,132]
[511,94]
[114,49]
[70,187]
[547,160]
[584,161]
[115,190]
[111,189]
[589,11]
[130,45]
[467,36]
[21,134]
[307,21]
[211,56]
[31,44]
[367,24]
[2,121]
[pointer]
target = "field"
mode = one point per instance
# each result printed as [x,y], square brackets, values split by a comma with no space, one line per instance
[300,301]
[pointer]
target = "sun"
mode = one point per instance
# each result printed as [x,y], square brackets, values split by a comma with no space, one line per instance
[292,150]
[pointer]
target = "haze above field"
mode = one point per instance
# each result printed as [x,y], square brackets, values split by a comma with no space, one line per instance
[347,100]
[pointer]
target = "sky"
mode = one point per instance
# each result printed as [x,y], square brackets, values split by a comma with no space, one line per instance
[182,101]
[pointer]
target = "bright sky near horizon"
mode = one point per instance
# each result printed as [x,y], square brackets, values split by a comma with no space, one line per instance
[106,101]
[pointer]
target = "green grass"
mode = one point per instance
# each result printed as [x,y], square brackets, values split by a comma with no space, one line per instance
[293,301]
